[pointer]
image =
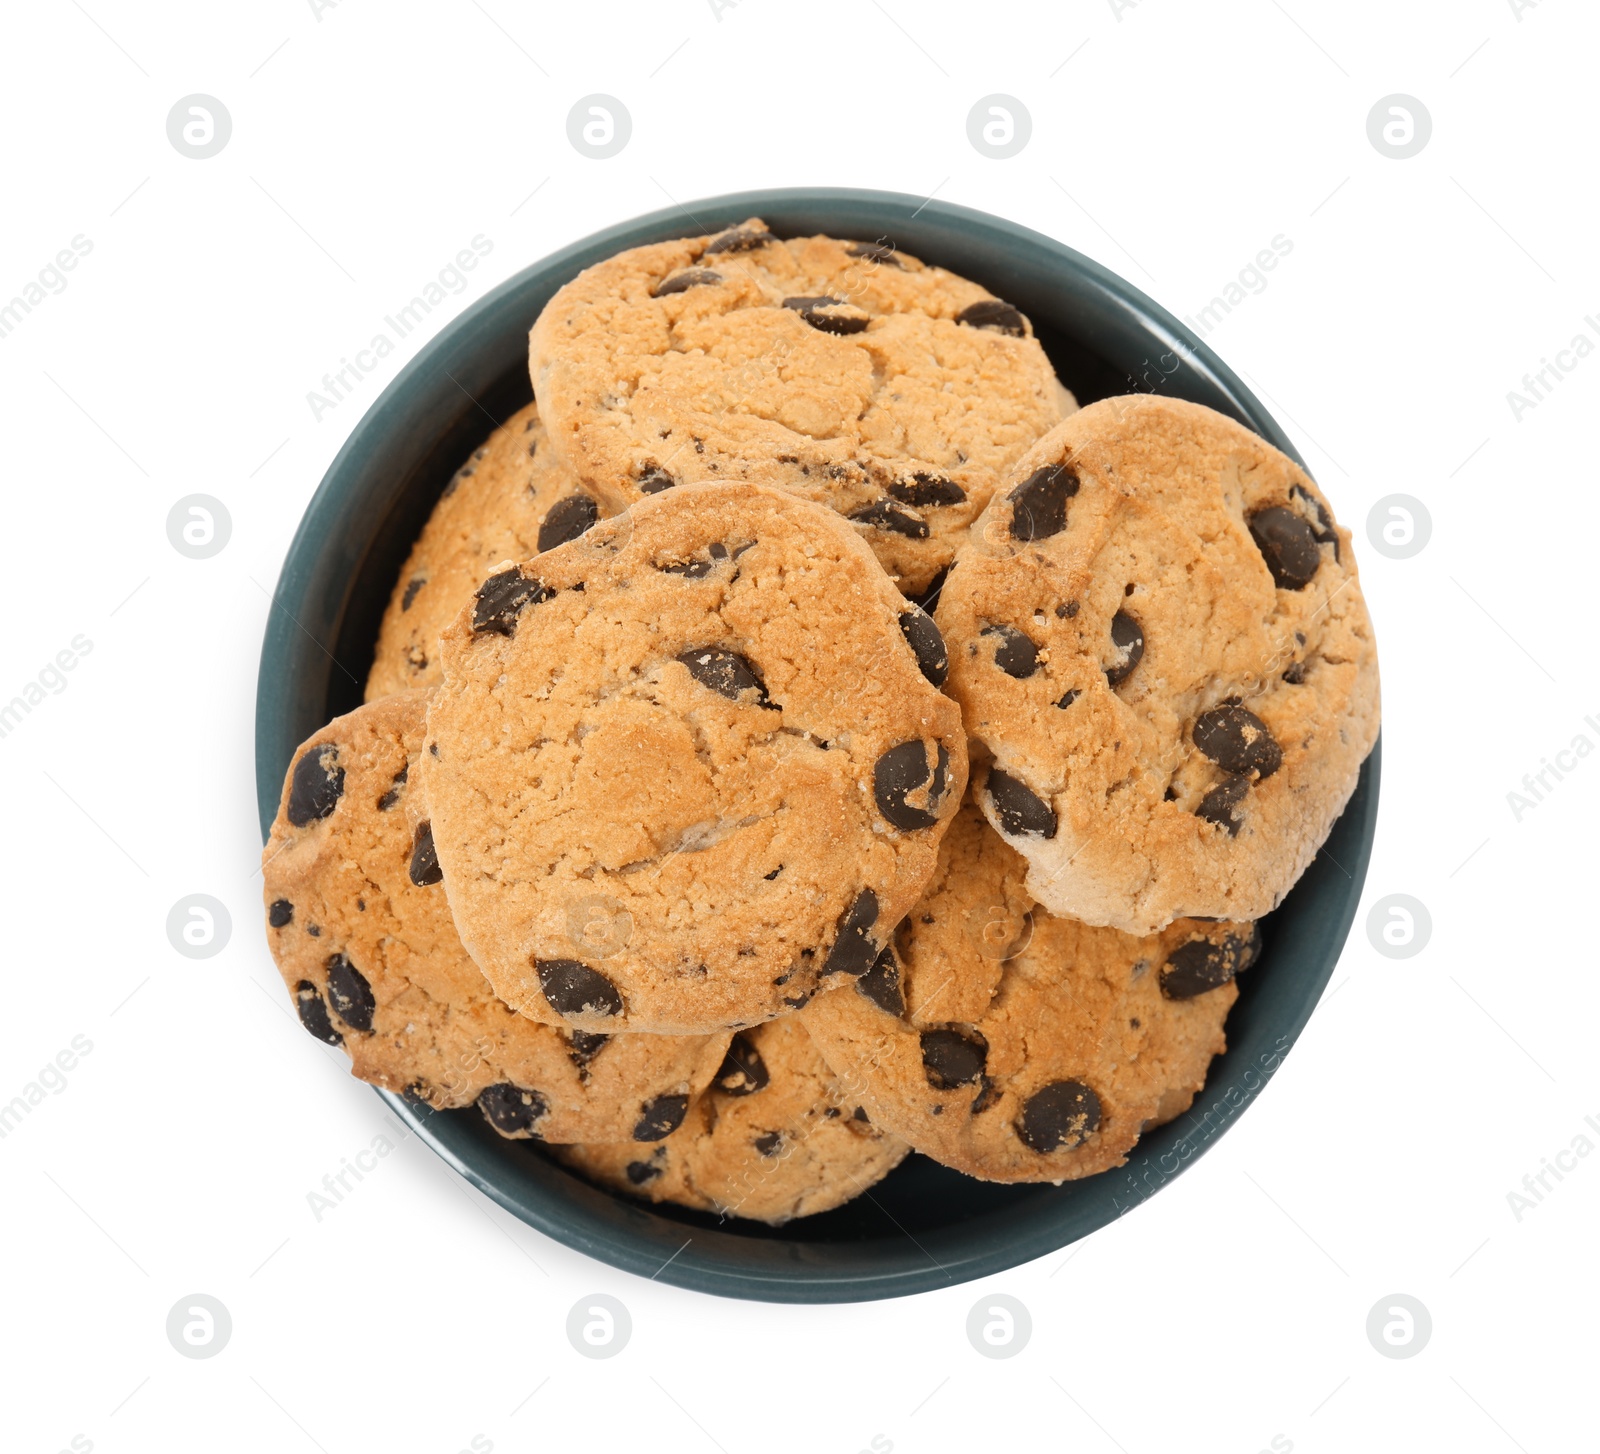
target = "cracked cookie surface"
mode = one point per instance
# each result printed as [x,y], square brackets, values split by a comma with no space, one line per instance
[1159,643]
[358,923]
[688,765]
[776,1137]
[845,372]
[511,499]
[1015,1046]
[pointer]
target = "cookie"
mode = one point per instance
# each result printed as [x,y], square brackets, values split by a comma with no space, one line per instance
[1016,1046]
[1161,651]
[774,1138]
[510,500]
[688,765]
[847,373]
[358,923]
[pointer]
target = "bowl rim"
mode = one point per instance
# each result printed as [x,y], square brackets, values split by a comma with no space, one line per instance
[618,1239]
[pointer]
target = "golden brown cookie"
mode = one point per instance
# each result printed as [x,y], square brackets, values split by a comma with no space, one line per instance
[510,500]
[687,765]
[846,373]
[774,1138]
[359,925]
[1015,1046]
[1157,635]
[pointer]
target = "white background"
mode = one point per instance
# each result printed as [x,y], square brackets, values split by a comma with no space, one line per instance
[1171,141]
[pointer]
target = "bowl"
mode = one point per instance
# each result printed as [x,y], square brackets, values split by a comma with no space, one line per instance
[924,1226]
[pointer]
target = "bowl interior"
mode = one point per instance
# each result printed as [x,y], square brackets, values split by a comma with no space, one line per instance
[924,1226]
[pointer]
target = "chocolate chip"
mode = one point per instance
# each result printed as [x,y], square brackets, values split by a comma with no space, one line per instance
[313,1011]
[901,771]
[1217,806]
[929,599]
[1200,965]
[279,913]
[799,1001]
[823,313]
[853,948]
[743,1070]
[1068,697]
[316,785]
[1323,529]
[925,490]
[1127,635]
[682,282]
[502,598]
[775,872]
[767,1143]
[1237,741]
[1295,674]
[639,1172]
[860,1114]
[988,1094]
[1062,1115]
[1288,545]
[572,988]
[1039,505]
[886,514]
[725,672]
[567,520]
[694,570]
[415,584]
[652,480]
[992,313]
[425,868]
[926,643]
[511,1109]
[1021,810]
[661,1117]
[881,984]
[350,994]
[390,798]
[1015,655]
[582,1047]
[743,238]
[953,1057]
[875,252]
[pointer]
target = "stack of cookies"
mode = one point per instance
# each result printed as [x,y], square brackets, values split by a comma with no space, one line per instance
[803,737]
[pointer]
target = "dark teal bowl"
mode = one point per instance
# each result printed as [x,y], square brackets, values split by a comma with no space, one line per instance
[924,1226]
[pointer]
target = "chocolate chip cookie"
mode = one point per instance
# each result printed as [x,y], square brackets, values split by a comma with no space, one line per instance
[689,765]
[846,372]
[359,925]
[1015,1046]
[1159,643]
[510,500]
[776,1137]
